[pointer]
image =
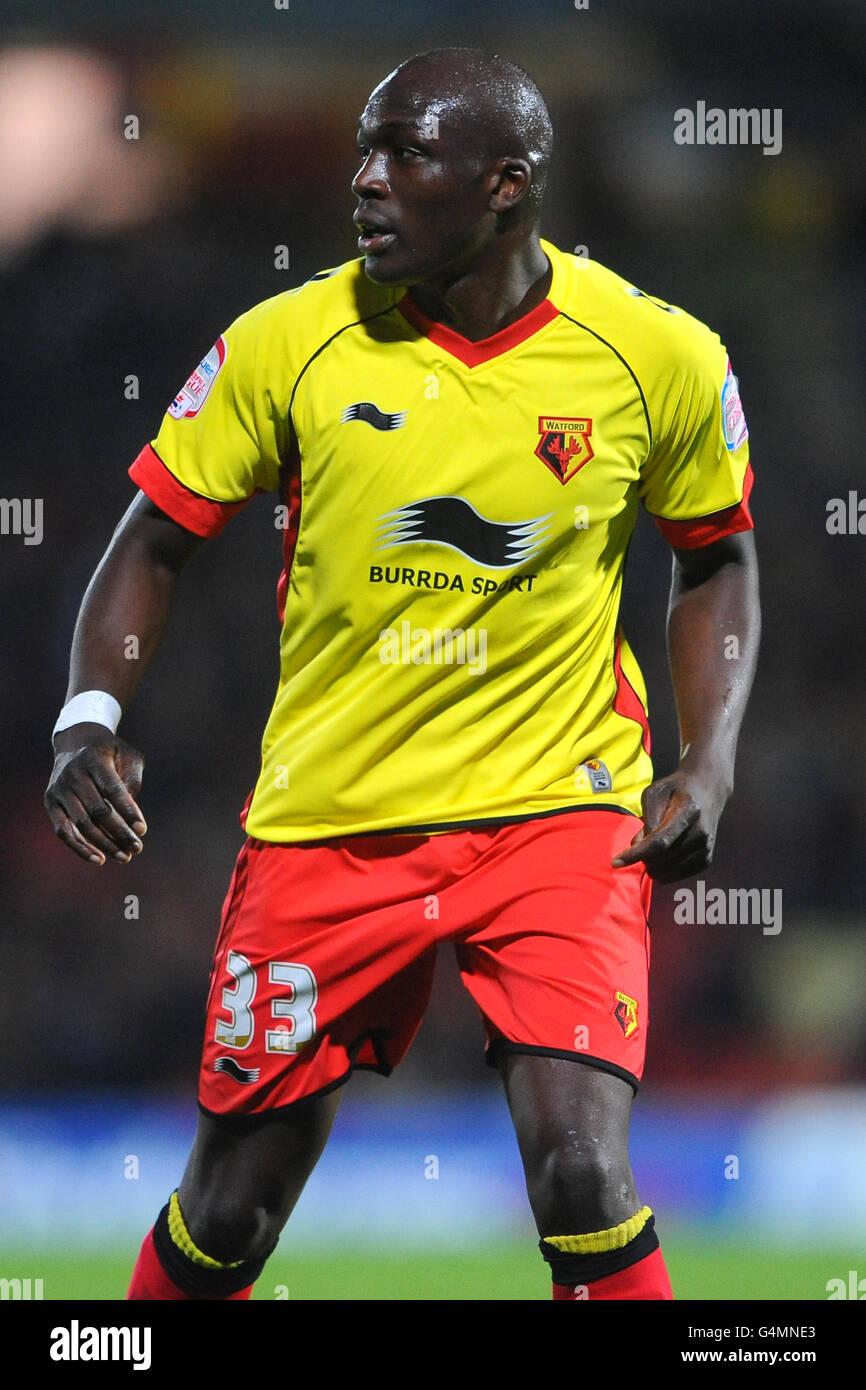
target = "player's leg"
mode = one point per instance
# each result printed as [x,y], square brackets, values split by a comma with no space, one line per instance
[297,999]
[571,1122]
[241,1183]
[557,960]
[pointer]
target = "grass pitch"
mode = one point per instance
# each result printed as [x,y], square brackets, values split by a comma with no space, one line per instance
[701,1269]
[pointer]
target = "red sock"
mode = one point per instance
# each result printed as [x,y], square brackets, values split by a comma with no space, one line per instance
[646,1279]
[151,1283]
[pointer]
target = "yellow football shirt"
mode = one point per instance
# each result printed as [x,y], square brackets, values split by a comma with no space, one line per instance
[455,518]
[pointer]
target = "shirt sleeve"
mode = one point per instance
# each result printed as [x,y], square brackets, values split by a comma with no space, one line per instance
[221,440]
[697,478]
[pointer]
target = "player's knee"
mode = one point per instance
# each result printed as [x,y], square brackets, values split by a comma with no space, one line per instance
[583,1184]
[229,1230]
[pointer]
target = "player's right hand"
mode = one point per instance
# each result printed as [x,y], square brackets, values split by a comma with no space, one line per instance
[90,797]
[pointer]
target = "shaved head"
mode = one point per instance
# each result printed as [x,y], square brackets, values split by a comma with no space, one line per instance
[454,146]
[493,101]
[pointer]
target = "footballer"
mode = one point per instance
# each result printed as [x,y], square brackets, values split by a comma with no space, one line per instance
[458,427]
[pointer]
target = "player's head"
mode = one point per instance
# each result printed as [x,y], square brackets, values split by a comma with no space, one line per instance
[455,146]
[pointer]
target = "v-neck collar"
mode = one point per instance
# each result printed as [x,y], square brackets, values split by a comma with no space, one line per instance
[473,354]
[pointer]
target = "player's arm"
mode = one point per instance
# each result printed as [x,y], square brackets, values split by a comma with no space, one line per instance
[713,632]
[220,442]
[90,798]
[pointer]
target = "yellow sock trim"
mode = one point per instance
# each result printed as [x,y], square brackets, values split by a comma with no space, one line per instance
[184,1241]
[598,1242]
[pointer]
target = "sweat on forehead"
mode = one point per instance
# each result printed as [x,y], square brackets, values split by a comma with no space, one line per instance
[470,87]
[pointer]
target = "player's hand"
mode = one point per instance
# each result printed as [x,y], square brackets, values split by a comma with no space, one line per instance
[681,815]
[90,797]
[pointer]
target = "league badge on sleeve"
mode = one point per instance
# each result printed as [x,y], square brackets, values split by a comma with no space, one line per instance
[192,396]
[733,419]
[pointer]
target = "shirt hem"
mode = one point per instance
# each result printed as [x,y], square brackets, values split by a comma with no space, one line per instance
[432,827]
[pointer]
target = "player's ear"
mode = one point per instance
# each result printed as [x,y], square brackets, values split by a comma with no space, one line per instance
[512,181]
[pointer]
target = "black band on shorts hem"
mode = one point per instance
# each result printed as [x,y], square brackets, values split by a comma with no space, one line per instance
[240,1120]
[503,1045]
[569,1268]
[376,1038]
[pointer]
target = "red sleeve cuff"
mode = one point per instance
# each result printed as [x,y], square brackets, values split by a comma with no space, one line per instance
[198,514]
[703,530]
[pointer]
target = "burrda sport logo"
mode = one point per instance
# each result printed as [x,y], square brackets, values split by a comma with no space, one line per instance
[454,523]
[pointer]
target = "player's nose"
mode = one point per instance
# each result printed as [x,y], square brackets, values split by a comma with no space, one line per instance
[370,180]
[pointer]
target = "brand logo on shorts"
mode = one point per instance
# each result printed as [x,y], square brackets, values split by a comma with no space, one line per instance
[564,445]
[192,396]
[625,1012]
[228,1065]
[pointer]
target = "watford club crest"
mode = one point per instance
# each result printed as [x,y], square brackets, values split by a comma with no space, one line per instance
[625,1012]
[565,444]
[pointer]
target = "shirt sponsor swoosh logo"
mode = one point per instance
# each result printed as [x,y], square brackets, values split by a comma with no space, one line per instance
[640,294]
[228,1065]
[372,415]
[454,523]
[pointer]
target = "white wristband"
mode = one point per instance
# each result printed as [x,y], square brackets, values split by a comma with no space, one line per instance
[90,707]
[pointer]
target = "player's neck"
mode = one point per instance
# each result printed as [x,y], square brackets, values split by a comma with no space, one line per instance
[500,287]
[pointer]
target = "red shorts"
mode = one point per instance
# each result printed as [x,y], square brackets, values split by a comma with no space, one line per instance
[325,955]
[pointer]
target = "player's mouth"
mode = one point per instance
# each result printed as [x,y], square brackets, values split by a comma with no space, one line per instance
[375,237]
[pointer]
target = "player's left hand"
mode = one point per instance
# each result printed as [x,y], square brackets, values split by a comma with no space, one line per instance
[681,816]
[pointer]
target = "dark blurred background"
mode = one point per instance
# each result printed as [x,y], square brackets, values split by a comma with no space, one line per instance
[122,257]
